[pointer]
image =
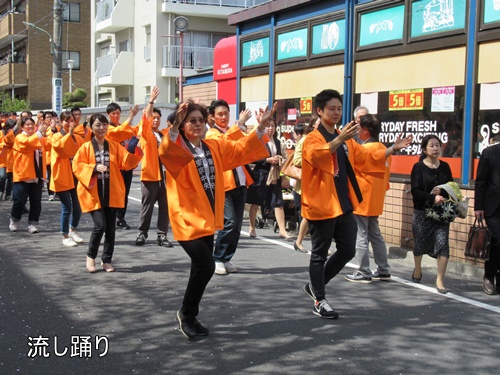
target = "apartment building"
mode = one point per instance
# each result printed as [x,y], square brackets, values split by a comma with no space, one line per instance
[26,58]
[135,45]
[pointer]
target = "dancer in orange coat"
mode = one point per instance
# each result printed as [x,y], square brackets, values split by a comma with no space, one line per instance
[195,186]
[101,190]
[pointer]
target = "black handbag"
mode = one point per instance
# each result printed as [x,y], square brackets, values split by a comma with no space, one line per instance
[479,242]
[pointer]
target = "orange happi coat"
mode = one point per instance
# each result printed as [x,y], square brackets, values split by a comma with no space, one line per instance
[84,166]
[64,147]
[24,159]
[121,133]
[373,188]
[191,215]
[82,131]
[234,133]
[150,164]
[319,195]
[8,140]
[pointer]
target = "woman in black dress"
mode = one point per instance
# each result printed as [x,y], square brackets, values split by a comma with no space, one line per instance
[430,236]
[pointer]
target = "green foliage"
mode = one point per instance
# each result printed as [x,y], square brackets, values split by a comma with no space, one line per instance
[16,105]
[75,99]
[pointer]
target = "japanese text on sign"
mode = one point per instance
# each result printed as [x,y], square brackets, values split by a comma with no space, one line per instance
[306,106]
[400,100]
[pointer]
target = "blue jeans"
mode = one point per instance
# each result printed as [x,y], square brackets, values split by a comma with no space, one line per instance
[227,238]
[5,182]
[70,208]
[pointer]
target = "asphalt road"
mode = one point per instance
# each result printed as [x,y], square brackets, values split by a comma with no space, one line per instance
[260,320]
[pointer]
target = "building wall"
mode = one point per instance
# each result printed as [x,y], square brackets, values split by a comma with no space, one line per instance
[204,92]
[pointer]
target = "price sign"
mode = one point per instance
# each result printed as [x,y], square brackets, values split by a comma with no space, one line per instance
[306,106]
[400,100]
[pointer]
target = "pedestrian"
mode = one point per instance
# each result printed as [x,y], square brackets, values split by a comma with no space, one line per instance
[49,118]
[430,236]
[153,186]
[195,169]
[236,182]
[266,192]
[330,193]
[29,173]
[122,133]
[65,144]
[487,206]
[373,189]
[101,190]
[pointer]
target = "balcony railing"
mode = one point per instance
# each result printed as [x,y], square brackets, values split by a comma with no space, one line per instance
[193,57]
[104,8]
[105,65]
[222,3]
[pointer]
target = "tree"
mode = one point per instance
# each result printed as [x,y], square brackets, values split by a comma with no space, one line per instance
[16,105]
[75,99]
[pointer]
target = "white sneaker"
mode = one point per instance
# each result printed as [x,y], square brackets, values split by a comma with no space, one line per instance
[51,198]
[14,225]
[230,268]
[220,269]
[32,229]
[75,236]
[68,241]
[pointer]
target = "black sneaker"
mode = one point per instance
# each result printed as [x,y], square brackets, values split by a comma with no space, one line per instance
[162,240]
[141,239]
[359,277]
[307,290]
[122,224]
[186,325]
[381,276]
[201,330]
[324,310]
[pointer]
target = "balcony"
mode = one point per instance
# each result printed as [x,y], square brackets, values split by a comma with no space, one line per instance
[112,17]
[11,24]
[194,59]
[208,8]
[13,75]
[115,70]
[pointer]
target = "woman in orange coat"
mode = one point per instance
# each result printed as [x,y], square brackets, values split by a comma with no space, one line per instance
[101,190]
[195,169]
[65,144]
[29,172]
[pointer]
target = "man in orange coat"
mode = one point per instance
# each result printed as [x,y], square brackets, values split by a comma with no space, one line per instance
[330,193]
[236,182]
[366,214]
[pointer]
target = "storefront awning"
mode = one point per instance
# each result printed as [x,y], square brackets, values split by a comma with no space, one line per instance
[225,59]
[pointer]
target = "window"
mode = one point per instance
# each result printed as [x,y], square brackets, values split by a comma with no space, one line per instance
[71,12]
[71,55]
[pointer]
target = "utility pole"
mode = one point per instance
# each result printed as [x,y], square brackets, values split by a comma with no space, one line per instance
[57,58]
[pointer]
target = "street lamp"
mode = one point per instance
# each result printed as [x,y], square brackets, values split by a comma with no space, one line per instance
[33,26]
[70,63]
[181,24]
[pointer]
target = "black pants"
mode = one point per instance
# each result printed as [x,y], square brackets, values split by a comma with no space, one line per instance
[152,192]
[23,191]
[344,229]
[492,266]
[104,223]
[127,179]
[202,269]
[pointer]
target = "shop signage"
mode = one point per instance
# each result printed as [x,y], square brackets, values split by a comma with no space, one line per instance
[491,11]
[403,100]
[328,37]
[292,114]
[306,106]
[292,44]
[255,52]
[382,26]
[436,16]
[489,133]
[443,99]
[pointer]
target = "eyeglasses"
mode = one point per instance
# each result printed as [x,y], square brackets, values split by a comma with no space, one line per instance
[194,121]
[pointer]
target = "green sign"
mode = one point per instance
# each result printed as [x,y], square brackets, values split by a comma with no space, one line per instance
[382,26]
[292,44]
[328,37]
[255,52]
[437,16]
[491,11]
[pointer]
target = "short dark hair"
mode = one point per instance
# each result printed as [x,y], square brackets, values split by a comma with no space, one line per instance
[299,128]
[23,121]
[47,113]
[325,96]
[372,124]
[171,117]
[75,109]
[9,124]
[65,116]
[191,108]
[424,143]
[217,103]
[156,110]
[99,117]
[113,107]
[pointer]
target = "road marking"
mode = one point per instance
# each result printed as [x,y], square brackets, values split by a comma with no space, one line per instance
[429,289]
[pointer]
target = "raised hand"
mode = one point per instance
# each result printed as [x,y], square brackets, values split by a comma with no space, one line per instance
[349,131]
[266,116]
[402,142]
[155,92]
[244,117]
[180,115]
